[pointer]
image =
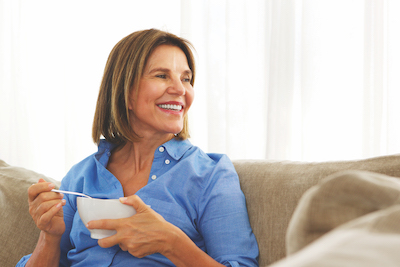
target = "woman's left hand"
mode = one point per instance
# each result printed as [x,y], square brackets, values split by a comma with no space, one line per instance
[143,234]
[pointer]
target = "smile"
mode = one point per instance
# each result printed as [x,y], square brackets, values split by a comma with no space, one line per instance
[171,107]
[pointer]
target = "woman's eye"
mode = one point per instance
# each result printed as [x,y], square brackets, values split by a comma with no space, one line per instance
[162,76]
[187,80]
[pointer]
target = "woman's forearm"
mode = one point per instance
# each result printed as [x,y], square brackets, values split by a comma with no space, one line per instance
[184,252]
[47,251]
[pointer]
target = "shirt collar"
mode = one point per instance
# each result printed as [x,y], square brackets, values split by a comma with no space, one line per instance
[105,146]
[177,148]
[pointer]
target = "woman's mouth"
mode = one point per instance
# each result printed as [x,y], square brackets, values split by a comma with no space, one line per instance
[171,107]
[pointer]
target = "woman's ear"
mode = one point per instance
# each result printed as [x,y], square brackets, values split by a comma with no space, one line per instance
[130,104]
[131,98]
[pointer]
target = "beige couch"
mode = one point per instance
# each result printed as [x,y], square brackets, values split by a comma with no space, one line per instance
[272,189]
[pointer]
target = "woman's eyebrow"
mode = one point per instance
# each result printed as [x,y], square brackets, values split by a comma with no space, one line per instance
[189,72]
[159,69]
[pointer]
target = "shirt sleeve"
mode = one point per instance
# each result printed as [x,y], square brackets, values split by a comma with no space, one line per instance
[223,219]
[22,262]
[69,213]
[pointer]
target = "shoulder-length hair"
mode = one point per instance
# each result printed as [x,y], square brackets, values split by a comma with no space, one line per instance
[124,68]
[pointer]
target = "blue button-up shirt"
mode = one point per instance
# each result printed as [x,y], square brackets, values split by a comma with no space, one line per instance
[195,191]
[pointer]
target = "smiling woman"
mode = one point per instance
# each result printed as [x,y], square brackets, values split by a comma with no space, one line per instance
[165,93]
[173,72]
[190,209]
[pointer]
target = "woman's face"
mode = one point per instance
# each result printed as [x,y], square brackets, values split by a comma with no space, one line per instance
[164,95]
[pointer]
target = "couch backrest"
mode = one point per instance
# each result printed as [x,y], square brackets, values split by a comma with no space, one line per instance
[273,189]
[18,232]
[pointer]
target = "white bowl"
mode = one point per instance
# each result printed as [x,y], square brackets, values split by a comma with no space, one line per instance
[91,209]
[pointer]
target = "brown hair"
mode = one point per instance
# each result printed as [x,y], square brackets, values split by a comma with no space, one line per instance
[124,68]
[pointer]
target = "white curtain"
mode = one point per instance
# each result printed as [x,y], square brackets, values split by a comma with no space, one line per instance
[52,57]
[306,80]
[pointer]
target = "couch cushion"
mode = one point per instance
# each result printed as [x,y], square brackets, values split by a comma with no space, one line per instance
[273,189]
[349,219]
[18,233]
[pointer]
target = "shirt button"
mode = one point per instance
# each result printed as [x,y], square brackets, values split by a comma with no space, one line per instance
[154,177]
[167,161]
[161,149]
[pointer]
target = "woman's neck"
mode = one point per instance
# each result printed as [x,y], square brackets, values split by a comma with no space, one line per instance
[138,155]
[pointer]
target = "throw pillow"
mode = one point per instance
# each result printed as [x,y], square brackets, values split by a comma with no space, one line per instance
[336,200]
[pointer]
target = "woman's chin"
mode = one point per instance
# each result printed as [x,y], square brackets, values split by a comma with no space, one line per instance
[176,130]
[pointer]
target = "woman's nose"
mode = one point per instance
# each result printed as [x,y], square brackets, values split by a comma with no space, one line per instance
[177,87]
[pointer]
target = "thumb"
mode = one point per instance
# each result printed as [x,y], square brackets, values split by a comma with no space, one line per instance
[136,202]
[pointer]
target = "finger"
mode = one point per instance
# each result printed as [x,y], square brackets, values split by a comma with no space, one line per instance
[46,217]
[35,189]
[43,207]
[107,224]
[45,197]
[108,242]
[136,202]
[43,202]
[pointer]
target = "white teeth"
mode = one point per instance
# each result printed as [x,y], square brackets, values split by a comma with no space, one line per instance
[172,107]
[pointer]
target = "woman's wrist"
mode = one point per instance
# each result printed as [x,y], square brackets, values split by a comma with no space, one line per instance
[182,251]
[50,239]
[174,237]
[47,251]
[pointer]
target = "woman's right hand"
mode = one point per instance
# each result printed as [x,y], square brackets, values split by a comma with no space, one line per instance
[45,208]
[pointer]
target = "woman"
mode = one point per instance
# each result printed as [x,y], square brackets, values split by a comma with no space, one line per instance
[190,209]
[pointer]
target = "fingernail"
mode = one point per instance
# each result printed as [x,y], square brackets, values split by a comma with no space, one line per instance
[123,199]
[51,185]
